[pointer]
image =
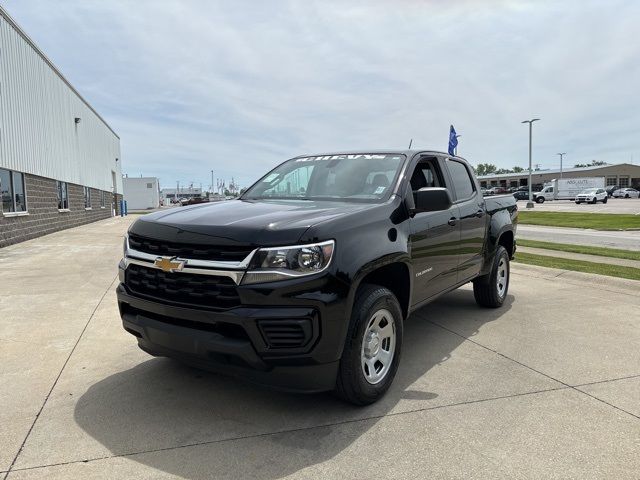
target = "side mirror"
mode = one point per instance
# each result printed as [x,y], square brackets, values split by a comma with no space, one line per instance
[432,199]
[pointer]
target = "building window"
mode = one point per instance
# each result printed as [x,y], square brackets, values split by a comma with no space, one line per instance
[623,182]
[63,195]
[103,196]
[87,197]
[149,185]
[612,181]
[12,191]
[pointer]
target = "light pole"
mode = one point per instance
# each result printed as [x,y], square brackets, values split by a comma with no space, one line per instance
[530,122]
[561,155]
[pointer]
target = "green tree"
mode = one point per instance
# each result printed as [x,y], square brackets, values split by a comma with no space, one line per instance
[518,169]
[486,169]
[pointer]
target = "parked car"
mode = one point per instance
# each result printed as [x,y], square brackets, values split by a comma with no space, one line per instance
[308,290]
[497,191]
[592,195]
[610,189]
[626,193]
[484,191]
[521,194]
[193,201]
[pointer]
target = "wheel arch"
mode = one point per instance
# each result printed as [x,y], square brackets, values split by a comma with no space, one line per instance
[392,272]
[505,236]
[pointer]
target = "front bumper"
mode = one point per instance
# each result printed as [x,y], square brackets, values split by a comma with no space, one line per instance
[235,341]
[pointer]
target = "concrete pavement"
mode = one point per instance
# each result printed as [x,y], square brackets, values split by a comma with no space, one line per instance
[626,240]
[546,387]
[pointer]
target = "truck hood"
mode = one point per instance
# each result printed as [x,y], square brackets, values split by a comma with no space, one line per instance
[242,222]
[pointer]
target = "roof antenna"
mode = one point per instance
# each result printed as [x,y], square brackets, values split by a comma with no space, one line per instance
[410,142]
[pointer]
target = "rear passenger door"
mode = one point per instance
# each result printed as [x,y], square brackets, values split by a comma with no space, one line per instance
[473,219]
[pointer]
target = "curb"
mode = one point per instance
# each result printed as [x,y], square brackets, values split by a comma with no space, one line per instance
[603,282]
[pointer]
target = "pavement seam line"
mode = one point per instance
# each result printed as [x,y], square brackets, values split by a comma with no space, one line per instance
[55,382]
[605,381]
[293,430]
[605,402]
[537,371]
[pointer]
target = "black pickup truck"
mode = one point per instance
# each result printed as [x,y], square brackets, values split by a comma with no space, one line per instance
[304,282]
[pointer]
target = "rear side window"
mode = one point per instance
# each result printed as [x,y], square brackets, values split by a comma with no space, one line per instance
[462,183]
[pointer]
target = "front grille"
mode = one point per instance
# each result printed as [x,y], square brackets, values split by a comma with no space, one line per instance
[188,250]
[182,288]
[286,333]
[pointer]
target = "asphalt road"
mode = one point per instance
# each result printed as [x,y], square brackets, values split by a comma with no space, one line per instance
[546,387]
[627,240]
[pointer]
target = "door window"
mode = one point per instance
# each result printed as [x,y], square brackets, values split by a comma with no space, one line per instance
[462,183]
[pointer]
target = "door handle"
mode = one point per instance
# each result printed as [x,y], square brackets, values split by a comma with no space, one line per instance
[453,221]
[480,213]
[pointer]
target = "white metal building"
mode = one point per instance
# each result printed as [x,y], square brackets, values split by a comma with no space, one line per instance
[173,195]
[141,193]
[59,159]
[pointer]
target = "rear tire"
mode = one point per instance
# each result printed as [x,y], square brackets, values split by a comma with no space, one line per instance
[491,290]
[372,348]
[626,196]
[578,203]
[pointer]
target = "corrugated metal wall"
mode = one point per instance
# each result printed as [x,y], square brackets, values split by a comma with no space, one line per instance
[38,133]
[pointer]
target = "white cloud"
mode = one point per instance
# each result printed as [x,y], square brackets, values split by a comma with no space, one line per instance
[239,86]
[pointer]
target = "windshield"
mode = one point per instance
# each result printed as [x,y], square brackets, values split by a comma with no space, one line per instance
[590,190]
[357,178]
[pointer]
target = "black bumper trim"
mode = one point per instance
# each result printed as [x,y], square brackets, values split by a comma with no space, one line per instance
[210,350]
[216,353]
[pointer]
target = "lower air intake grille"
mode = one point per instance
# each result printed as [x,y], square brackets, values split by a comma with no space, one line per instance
[286,333]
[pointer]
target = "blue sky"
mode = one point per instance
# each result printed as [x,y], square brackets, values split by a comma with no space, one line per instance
[237,87]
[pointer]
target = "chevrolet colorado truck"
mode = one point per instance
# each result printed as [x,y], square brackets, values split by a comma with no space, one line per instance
[305,280]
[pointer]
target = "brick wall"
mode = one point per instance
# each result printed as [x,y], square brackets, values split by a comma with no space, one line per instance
[44,217]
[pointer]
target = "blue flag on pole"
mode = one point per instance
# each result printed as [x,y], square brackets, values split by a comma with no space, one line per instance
[453,141]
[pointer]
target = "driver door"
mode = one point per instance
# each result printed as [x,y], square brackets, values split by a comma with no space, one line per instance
[434,237]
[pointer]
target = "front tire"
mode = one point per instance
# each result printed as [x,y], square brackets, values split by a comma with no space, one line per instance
[595,200]
[372,349]
[605,200]
[491,290]
[540,200]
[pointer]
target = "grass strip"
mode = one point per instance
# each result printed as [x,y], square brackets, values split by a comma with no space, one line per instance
[597,221]
[565,247]
[578,266]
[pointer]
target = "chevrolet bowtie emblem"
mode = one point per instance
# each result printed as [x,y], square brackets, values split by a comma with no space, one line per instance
[169,264]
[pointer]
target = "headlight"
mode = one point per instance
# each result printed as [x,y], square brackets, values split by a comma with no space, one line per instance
[283,263]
